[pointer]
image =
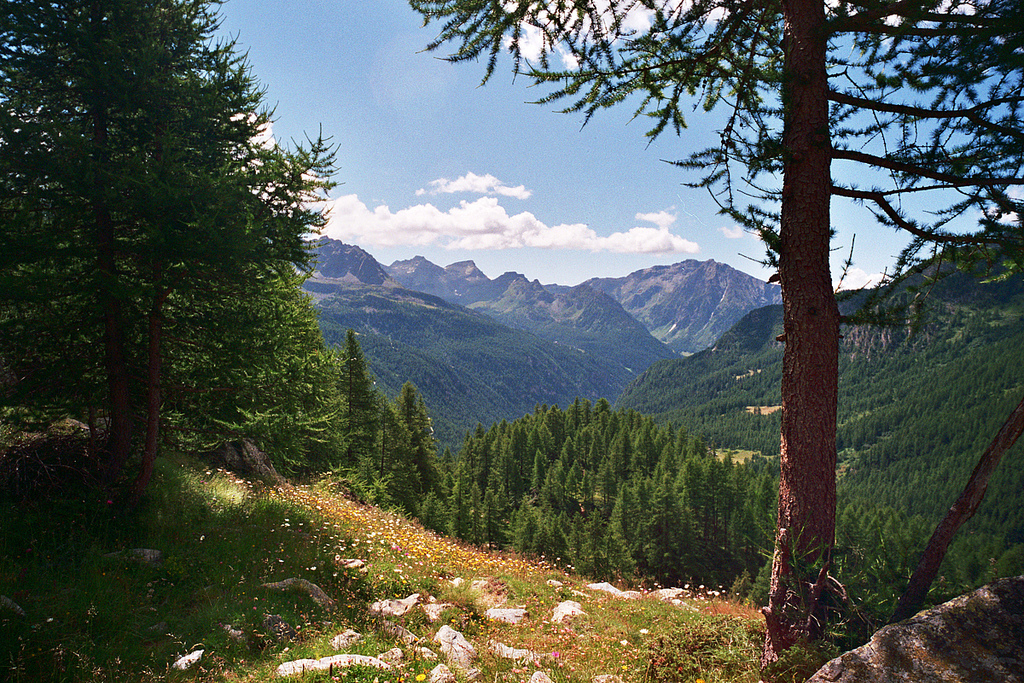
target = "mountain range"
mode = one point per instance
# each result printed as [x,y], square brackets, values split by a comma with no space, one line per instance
[473,345]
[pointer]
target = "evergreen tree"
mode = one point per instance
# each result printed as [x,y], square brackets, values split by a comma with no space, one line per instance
[922,96]
[140,144]
[362,408]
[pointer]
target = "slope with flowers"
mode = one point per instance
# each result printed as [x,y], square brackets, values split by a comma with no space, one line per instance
[226,547]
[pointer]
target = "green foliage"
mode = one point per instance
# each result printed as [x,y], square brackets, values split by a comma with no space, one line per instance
[142,206]
[693,648]
[469,368]
[611,494]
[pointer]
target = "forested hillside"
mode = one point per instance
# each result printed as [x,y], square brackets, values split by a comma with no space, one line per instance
[610,493]
[469,368]
[916,409]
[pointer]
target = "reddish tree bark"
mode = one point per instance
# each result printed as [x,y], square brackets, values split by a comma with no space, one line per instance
[807,489]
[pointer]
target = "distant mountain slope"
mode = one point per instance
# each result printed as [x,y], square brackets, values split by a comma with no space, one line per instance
[572,316]
[347,263]
[915,410]
[468,367]
[688,305]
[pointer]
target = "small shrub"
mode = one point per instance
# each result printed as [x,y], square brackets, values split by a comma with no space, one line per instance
[692,649]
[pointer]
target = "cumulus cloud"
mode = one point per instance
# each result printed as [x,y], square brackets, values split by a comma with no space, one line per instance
[857,278]
[533,44]
[485,224]
[734,232]
[476,184]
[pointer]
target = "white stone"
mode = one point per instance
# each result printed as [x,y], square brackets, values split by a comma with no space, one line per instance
[395,608]
[554,583]
[454,646]
[434,609]
[669,594]
[188,661]
[540,677]
[566,610]
[507,615]
[506,652]
[392,656]
[427,653]
[458,581]
[351,564]
[299,666]
[346,639]
[442,674]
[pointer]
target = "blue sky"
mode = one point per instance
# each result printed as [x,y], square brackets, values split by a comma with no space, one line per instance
[432,164]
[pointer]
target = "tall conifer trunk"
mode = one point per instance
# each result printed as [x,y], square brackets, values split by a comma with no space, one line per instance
[806,512]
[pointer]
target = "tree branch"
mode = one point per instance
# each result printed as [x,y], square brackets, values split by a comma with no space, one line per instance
[950,180]
[970,114]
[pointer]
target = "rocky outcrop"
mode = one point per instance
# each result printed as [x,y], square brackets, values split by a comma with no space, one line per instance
[246,459]
[975,638]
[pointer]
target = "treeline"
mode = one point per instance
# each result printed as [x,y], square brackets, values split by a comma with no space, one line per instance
[608,492]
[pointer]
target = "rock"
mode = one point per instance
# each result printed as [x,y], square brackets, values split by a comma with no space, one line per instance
[426,653]
[146,556]
[244,458]
[300,666]
[507,615]
[540,677]
[473,674]
[479,585]
[346,639]
[669,594]
[612,590]
[506,652]
[395,608]
[566,610]
[606,678]
[554,583]
[458,581]
[392,656]
[278,627]
[11,605]
[454,646]
[434,610]
[188,661]
[314,591]
[403,634]
[974,638]
[233,633]
[442,674]
[351,563]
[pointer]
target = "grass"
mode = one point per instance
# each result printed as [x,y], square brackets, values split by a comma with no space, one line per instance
[94,613]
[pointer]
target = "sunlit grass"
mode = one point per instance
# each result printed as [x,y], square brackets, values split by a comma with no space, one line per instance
[91,615]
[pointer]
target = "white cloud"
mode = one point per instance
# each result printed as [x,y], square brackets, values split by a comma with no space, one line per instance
[857,278]
[532,43]
[484,224]
[734,232]
[476,184]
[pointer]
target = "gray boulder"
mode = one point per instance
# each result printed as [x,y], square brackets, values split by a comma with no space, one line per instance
[244,458]
[975,638]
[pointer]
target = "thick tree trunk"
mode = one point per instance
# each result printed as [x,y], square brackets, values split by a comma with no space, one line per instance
[962,510]
[807,489]
[115,358]
[154,397]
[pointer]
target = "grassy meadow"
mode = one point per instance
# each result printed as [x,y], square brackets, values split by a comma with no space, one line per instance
[94,611]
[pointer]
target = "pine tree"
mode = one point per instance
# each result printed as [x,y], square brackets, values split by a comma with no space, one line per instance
[905,97]
[139,142]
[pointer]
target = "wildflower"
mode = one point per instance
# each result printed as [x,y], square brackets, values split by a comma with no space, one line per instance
[421,677]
